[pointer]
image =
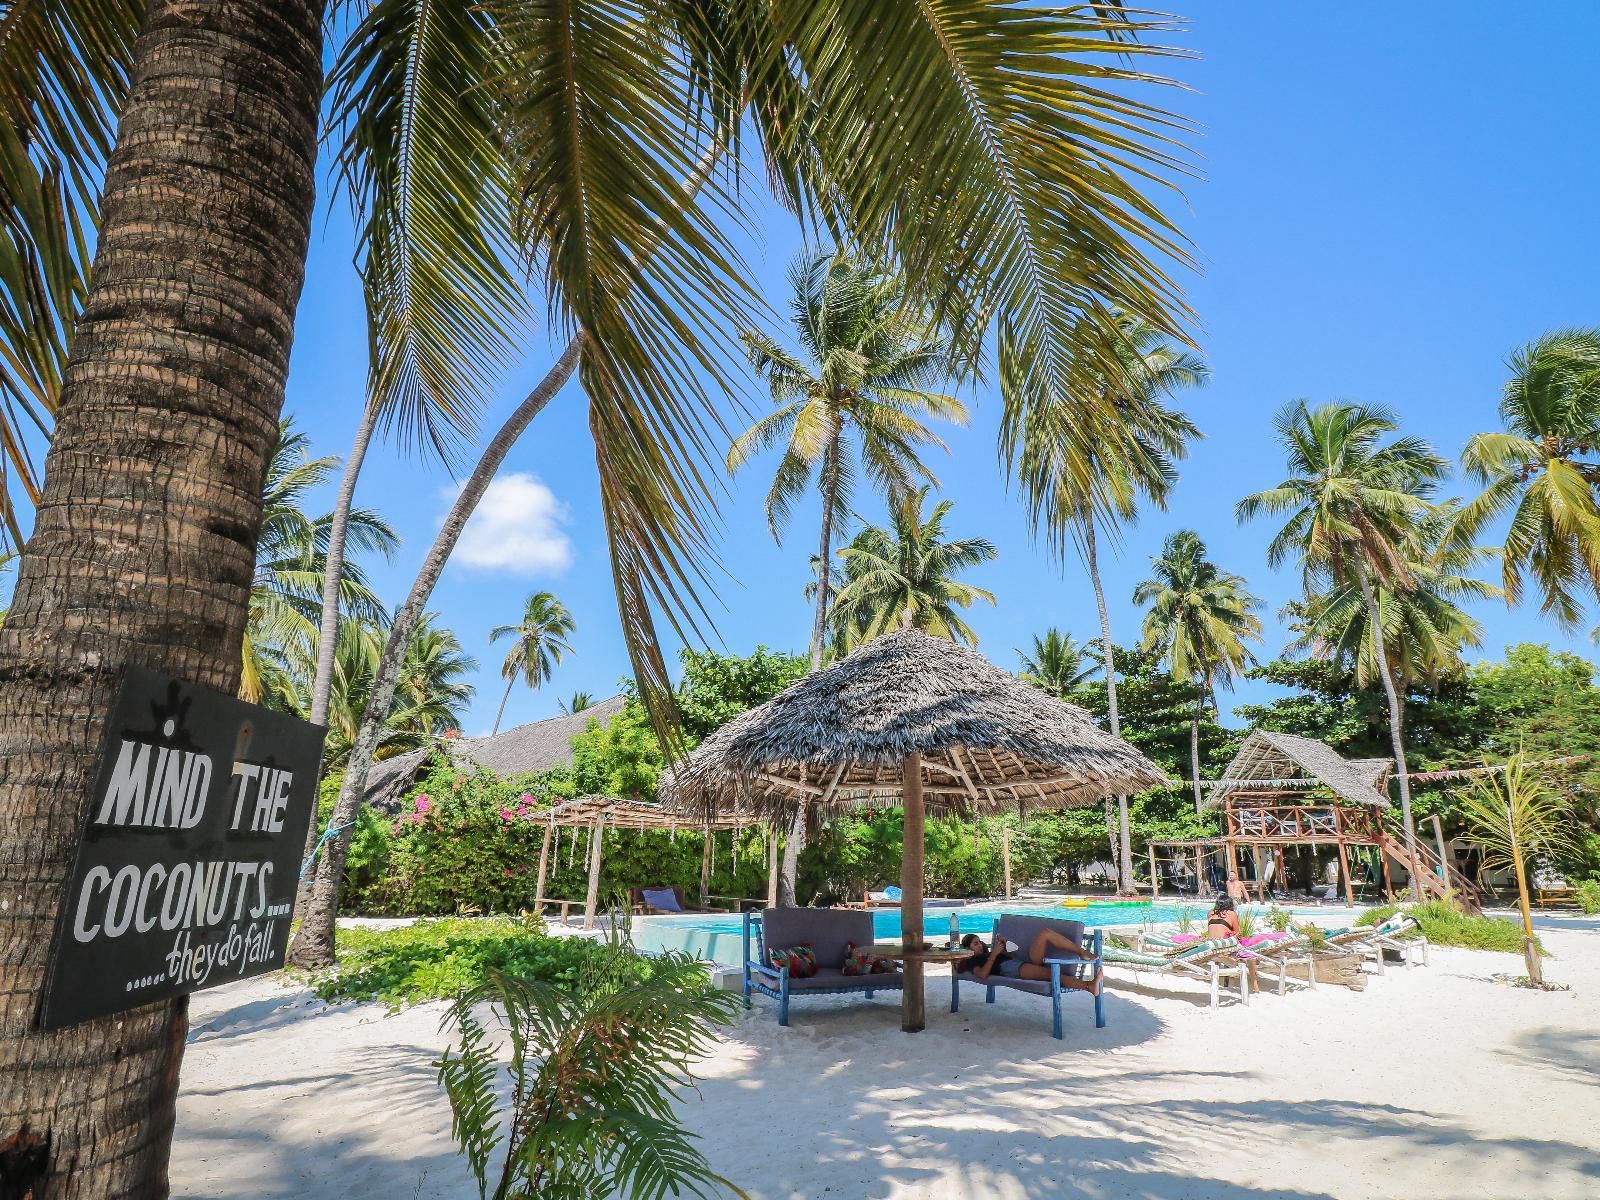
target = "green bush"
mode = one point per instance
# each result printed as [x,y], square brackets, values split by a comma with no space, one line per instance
[1443,924]
[439,959]
[1588,895]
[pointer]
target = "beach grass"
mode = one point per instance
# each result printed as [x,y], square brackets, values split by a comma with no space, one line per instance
[1443,924]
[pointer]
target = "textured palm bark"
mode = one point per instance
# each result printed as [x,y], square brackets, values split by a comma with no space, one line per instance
[1396,730]
[313,943]
[144,539]
[1122,841]
[328,635]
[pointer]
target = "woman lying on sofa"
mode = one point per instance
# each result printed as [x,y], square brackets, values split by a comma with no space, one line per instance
[985,961]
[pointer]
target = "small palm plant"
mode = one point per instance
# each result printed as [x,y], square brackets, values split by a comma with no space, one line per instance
[593,1076]
[1511,815]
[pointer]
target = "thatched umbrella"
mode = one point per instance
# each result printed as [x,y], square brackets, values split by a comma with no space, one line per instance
[914,720]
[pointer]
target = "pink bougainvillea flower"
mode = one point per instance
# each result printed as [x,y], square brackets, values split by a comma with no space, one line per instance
[505,814]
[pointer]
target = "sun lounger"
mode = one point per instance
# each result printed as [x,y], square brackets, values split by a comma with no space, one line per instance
[827,931]
[1283,953]
[1212,960]
[1022,930]
[655,901]
[1371,941]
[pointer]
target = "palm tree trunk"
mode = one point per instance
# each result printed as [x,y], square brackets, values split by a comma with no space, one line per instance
[313,944]
[143,547]
[510,683]
[1122,848]
[332,577]
[1396,733]
[796,840]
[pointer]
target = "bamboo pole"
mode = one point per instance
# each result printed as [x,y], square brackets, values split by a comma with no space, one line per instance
[913,1014]
[544,868]
[592,901]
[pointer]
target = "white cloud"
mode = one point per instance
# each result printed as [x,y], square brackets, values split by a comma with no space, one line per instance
[518,527]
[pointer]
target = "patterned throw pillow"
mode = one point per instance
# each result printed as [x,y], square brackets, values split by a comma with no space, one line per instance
[801,960]
[858,962]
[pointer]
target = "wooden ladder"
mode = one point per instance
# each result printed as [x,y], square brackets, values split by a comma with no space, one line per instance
[1435,883]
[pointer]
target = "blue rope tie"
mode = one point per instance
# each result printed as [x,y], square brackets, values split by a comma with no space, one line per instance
[328,834]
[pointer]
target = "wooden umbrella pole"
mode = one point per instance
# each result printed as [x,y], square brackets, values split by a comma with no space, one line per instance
[544,868]
[593,901]
[705,871]
[772,866]
[913,1014]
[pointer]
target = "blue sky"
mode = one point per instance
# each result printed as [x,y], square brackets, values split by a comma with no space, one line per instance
[1391,203]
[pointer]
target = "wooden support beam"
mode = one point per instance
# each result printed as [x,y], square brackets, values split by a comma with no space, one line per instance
[1155,874]
[1005,857]
[705,871]
[913,1014]
[544,868]
[772,865]
[592,901]
[1344,864]
[1444,854]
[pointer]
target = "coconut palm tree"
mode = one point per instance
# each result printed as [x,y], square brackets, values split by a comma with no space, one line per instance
[859,391]
[291,556]
[1056,664]
[579,702]
[1355,505]
[1199,622]
[999,156]
[1424,627]
[1077,476]
[539,642]
[904,577]
[1543,469]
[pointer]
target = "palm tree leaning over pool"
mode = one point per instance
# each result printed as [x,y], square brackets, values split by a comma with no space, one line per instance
[904,577]
[1199,621]
[1073,479]
[1019,207]
[1543,470]
[1354,504]
[539,641]
[1424,627]
[1056,664]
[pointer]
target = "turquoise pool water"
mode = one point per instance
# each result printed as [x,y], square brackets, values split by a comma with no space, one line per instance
[718,937]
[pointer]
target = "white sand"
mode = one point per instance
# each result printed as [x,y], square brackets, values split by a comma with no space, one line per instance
[1433,1082]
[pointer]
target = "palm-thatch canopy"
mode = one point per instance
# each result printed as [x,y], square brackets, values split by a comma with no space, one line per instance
[988,741]
[1282,761]
[639,815]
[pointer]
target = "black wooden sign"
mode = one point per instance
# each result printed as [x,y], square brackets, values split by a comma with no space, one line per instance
[190,850]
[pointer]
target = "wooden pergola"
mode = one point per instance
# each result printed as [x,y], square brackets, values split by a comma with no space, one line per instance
[598,813]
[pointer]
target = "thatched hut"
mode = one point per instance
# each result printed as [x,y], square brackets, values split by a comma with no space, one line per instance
[914,720]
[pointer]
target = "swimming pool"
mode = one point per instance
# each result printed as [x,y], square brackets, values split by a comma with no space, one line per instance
[718,937]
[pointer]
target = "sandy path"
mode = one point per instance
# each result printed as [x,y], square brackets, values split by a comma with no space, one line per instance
[1434,1082]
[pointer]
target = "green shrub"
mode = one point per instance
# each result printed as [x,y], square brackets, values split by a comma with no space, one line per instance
[1588,895]
[1443,924]
[1281,919]
[439,959]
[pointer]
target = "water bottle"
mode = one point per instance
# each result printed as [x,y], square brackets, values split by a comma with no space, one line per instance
[955,931]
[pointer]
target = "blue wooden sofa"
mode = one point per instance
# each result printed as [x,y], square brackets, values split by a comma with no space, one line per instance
[825,930]
[1022,930]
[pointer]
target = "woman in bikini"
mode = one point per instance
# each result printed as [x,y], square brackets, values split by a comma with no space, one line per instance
[1224,919]
[984,960]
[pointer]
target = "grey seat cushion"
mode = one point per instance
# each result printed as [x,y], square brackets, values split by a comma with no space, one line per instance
[832,977]
[825,930]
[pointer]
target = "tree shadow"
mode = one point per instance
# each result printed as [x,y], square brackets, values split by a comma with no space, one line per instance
[1572,1054]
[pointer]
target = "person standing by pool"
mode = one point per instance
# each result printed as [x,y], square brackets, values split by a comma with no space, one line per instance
[985,960]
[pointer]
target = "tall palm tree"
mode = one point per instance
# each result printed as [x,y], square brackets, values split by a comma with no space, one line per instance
[579,702]
[904,577]
[291,556]
[1056,664]
[859,390]
[1078,475]
[1543,470]
[539,642]
[1354,504]
[1200,619]
[999,156]
[1424,627]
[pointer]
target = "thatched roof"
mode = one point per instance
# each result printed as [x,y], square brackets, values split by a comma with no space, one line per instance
[1300,764]
[631,814]
[537,746]
[840,736]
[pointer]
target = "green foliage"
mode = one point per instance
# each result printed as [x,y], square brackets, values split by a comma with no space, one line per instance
[1279,918]
[1444,924]
[718,687]
[1247,922]
[1588,895]
[593,1078]
[440,959]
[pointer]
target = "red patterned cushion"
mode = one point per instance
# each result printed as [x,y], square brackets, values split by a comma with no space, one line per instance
[858,962]
[801,960]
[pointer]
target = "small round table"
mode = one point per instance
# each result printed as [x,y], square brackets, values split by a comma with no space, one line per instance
[915,960]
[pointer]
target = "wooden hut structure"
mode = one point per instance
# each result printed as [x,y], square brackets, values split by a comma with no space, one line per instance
[599,813]
[1282,791]
[910,720]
